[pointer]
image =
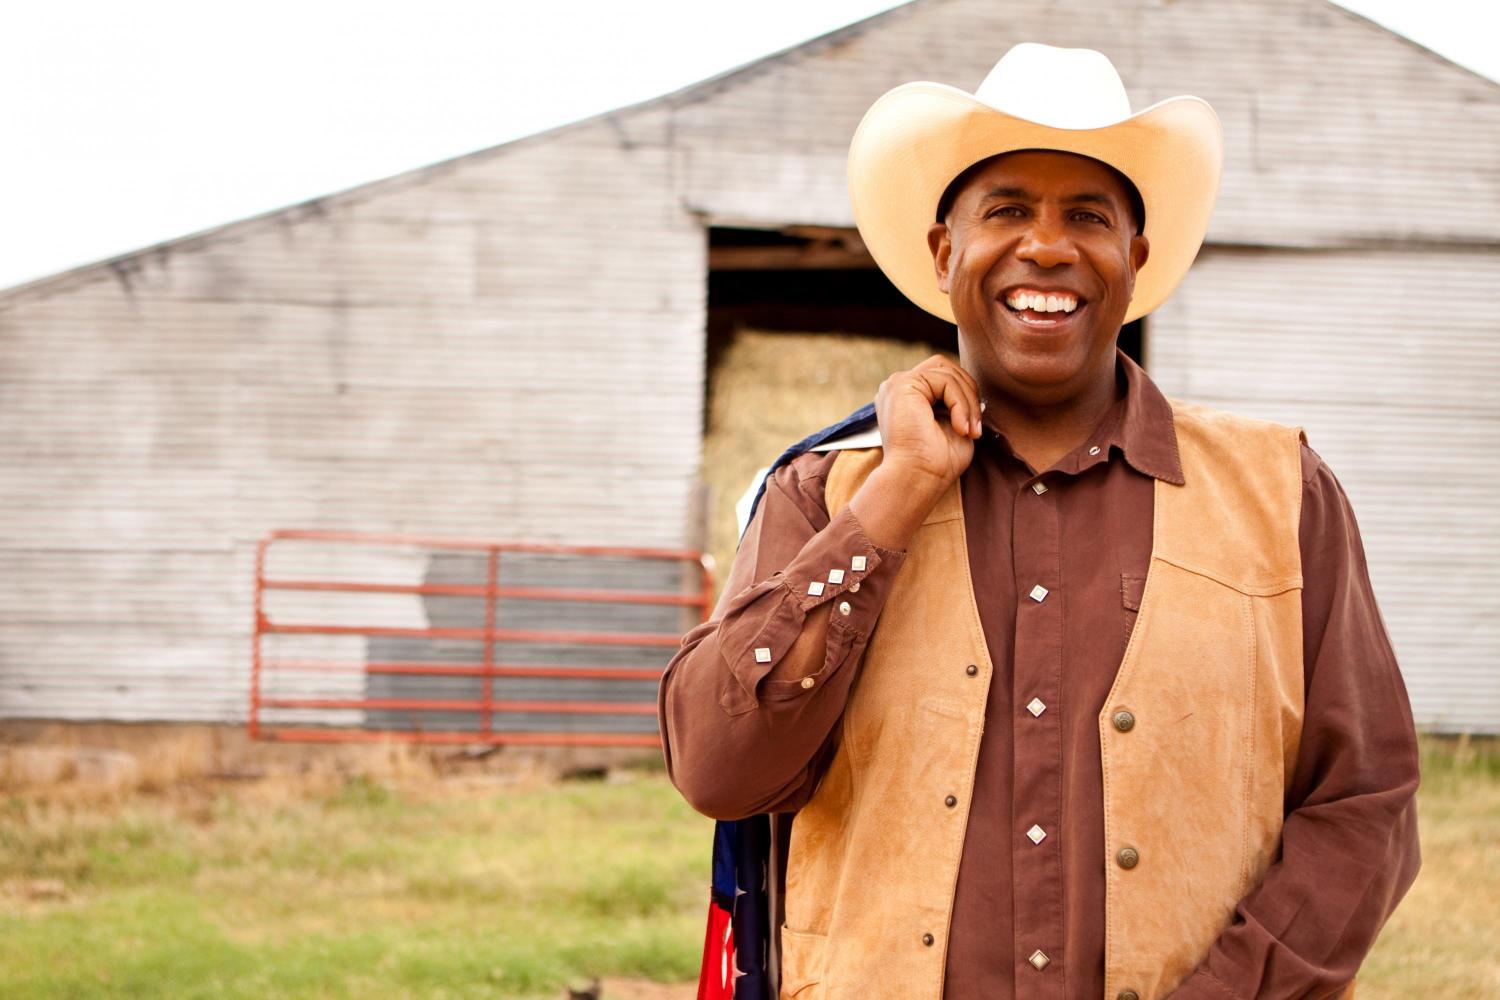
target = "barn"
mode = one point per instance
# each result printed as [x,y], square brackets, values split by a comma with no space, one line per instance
[520,342]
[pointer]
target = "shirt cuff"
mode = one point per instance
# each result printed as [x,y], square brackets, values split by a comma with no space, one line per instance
[839,566]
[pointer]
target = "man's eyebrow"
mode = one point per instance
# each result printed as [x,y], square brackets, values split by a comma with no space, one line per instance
[1090,198]
[1081,198]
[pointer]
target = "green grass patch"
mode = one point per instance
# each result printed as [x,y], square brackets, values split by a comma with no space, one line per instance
[372,891]
[364,892]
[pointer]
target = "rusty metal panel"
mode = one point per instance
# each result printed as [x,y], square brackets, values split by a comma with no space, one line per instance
[445,640]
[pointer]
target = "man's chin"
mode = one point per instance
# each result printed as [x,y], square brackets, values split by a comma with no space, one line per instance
[1052,373]
[1039,388]
[1042,358]
[1036,366]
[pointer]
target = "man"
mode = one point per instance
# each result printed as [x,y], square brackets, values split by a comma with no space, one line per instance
[1130,725]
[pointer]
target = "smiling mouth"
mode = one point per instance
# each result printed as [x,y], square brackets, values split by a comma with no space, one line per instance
[1043,309]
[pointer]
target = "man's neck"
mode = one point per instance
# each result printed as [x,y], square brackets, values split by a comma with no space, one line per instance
[1042,434]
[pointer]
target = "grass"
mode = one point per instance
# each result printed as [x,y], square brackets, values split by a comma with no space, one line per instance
[364,891]
[1440,942]
[441,889]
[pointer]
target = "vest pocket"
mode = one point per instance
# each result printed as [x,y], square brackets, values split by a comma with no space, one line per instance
[802,958]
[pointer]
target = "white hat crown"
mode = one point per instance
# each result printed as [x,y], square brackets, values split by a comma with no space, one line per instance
[1062,88]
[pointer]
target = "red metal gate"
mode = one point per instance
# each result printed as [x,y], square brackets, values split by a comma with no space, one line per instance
[351,711]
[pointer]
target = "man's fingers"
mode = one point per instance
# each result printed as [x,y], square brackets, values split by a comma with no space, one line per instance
[968,386]
[945,385]
[963,408]
[973,405]
[943,363]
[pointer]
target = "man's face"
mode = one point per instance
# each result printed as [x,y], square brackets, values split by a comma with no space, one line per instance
[1038,223]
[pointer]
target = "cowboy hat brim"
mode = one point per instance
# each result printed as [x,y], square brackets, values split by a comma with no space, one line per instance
[918,137]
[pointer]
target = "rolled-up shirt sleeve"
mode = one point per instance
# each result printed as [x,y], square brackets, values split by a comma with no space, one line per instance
[1349,847]
[750,700]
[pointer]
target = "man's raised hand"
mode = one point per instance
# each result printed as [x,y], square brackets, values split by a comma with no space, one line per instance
[932,448]
[923,451]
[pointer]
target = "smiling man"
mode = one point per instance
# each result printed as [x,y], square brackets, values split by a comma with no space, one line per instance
[1028,681]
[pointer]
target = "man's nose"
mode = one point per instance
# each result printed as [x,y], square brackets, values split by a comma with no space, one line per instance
[1047,245]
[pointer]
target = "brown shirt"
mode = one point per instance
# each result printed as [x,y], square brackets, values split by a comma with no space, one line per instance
[1083,530]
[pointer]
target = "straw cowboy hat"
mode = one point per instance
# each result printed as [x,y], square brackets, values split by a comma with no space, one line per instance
[918,137]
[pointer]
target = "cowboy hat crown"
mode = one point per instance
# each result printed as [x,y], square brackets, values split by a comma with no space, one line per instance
[1081,89]
[918,137]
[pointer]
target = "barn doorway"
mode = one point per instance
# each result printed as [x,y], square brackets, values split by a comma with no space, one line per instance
[802,329]
[820,279]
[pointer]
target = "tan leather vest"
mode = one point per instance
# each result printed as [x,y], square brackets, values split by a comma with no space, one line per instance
[1212,674]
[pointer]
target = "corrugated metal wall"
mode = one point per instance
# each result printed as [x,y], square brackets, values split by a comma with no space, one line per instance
[475,350]
[512,342]
[1388,359]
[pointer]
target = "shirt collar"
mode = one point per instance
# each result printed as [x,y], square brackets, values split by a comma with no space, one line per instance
[1144,431]
[1139,424]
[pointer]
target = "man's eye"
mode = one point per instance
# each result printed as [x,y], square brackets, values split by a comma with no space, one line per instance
[1013,210]
[1092,217]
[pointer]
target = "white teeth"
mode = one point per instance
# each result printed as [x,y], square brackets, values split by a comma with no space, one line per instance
[1042,303]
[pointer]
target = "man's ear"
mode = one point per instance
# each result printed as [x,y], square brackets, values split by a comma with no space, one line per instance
[1140,249]
[941,245]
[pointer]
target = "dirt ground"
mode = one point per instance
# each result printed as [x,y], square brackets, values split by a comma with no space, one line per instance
[640,989]
[78,759]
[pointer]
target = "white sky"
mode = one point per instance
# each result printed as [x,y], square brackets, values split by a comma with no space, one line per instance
[130,122]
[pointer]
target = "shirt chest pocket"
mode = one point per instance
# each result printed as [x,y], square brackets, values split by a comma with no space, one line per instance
[1132,586]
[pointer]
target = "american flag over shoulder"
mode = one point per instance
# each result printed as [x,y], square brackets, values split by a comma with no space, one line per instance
[738,946]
